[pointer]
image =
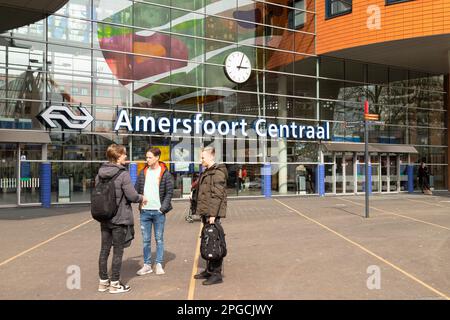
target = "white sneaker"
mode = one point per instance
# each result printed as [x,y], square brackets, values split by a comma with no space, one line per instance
[117,287]
[103,285]
[159,269]
[144,270]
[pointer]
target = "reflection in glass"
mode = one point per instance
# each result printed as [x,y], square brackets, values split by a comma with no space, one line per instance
[69,31]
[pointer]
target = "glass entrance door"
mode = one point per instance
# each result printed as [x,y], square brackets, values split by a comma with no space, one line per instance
[349,173]
[360,173]
[29,173]
[375,163]
[8,174]
[393,173]
[339,174]
[390,179]
[384,165]
[403,173]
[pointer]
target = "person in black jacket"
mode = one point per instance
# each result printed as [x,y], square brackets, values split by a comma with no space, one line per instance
[114,231]
[423,175]
[156,183]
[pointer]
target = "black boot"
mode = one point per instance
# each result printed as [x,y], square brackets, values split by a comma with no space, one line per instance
[202,275]
[214,279]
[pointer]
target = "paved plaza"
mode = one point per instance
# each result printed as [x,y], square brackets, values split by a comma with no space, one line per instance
[279,248]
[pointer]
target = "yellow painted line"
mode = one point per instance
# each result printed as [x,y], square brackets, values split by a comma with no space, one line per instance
[44,242]
[426,202]
[194,267]
[400,215]
[369,252]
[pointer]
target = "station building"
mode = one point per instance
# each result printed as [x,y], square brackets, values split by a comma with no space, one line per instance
[70,69]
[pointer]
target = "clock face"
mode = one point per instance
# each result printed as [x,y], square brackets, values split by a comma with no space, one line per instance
[238,67]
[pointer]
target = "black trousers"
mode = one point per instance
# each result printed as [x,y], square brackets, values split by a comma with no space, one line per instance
[213,267]
[113,235]
[423,183]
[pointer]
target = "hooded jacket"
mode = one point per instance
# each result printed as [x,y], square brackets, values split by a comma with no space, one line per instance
[165,187]
[124,187]
[212,192]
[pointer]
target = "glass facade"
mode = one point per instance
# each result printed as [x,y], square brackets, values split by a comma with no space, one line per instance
[411,104]
[166,58]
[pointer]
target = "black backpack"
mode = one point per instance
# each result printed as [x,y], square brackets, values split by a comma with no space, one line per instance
[213,245]
[103,199]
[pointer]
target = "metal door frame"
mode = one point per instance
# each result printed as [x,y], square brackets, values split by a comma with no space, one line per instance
[17,165]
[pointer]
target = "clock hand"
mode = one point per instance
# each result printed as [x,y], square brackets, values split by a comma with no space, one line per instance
[240,64]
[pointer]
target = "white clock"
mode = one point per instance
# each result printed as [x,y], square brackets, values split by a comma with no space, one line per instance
[238,67]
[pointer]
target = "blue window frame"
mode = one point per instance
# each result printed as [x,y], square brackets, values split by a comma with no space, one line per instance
[396,1]
[336,8]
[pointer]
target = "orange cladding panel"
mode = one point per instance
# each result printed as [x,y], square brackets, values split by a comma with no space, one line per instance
[371,21]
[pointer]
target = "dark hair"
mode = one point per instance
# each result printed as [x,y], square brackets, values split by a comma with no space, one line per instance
[155,151]
[114,152]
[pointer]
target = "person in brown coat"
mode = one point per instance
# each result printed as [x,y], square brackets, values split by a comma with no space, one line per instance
[211,206]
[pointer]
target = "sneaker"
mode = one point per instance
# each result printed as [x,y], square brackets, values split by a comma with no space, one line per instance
[202,275]
[144,270]
[159,269]
[103,285]
[117,287]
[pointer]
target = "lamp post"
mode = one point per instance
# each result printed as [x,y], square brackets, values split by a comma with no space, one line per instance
[366,156]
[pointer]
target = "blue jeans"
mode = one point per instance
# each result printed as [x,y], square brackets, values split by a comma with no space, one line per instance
[157,219]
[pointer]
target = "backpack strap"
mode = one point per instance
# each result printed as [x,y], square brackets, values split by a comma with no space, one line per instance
[220,229]
[114,178]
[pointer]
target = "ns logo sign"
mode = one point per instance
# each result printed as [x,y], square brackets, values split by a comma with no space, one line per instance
[65,116]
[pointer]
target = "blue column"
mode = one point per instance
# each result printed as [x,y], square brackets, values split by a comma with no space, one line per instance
[320,180]
[410,178]
[266,173]
[45,178]
[133,172]
[370,178]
